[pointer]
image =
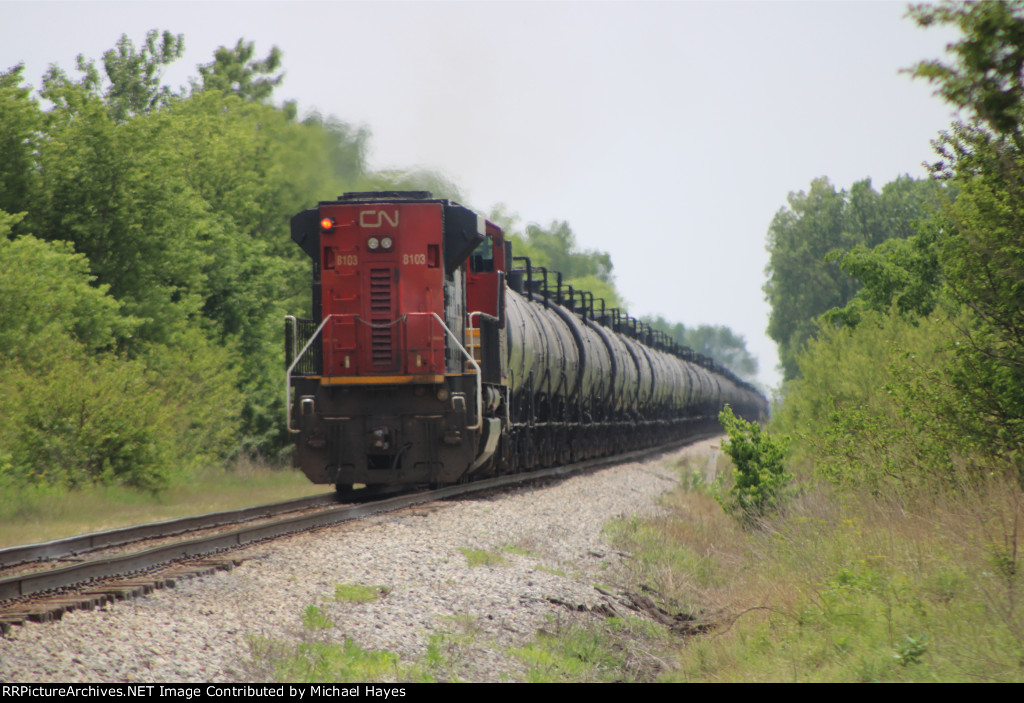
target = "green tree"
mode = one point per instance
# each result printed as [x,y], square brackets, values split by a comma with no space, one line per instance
[21,124]
[865,410]
[982,251]
[116,191]
[78,411]
[922,385]
[555,248]
[899,274]
[807,240]
[181,209]
[134,76]
[65,419]
[986,75]
[47,292]
[343,145]
[801,283]
[235,71]
[557,244]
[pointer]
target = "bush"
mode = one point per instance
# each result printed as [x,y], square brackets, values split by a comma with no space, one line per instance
[875,407]
[76,420]
[760,478]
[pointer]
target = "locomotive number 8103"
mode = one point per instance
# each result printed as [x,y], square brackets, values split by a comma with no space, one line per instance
[434,356]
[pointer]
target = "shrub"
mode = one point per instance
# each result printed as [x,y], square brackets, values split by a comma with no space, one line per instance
[86,420]
[759,477]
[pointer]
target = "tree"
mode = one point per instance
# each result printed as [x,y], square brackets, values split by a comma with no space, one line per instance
[555,248]
[118,192]
[47,292]
[235,71]
[21,124]
[557,245]
[134,76]
[65,418]
[807,240]
[902,275]
[986,76]
[801,283]
[981,253]
[923,384]
[344,145]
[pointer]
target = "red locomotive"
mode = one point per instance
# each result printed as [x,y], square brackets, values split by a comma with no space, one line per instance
[430,359]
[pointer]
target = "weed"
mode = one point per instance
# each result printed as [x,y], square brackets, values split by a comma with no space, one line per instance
[691,477]
[550,570]
[316,658]
[357,593]
[445,652]
[911,649]
[515,549]
[314,662]
[572,654]
[1003,560]
[481,557]
[315,619]
[610,650]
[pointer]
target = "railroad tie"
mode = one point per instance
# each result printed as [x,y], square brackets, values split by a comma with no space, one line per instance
[51,608]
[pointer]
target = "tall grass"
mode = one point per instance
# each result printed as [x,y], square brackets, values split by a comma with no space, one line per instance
[844,586]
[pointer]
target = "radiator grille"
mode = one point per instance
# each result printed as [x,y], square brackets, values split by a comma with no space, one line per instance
[381,338]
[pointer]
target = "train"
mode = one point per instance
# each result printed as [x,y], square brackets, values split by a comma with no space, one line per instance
[434,356]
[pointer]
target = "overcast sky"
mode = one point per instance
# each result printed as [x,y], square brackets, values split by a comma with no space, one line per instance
[666,133]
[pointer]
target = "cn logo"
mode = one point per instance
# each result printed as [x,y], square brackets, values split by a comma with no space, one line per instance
[378,218]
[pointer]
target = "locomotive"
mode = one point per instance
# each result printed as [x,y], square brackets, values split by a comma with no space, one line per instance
[434,356]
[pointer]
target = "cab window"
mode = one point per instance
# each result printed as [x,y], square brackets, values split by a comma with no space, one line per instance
[482,258]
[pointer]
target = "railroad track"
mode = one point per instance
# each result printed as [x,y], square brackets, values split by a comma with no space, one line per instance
[83,544]
[43,595]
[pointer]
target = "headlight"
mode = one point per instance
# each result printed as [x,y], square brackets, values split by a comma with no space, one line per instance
[386,243]
[373,243]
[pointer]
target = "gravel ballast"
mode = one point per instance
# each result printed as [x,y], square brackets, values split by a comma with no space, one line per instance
[202,630]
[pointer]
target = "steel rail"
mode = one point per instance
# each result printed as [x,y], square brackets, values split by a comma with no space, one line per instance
[71,546]
[77,574]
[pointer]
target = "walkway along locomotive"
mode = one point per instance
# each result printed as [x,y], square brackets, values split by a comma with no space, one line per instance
[431,360]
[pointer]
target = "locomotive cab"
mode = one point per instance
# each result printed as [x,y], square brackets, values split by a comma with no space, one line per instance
[398,377]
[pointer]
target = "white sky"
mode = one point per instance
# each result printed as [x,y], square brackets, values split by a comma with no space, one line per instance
[666,133]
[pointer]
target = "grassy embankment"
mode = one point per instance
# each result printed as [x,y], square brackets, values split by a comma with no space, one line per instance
[841,586]
[37,514]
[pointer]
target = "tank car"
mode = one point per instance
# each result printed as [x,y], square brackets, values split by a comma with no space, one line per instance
[431,359]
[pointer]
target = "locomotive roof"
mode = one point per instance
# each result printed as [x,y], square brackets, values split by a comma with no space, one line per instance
[378,196]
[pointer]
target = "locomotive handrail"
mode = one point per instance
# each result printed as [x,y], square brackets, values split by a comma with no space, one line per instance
[476,368]
[295,331]
[470,328]
[288,374]
[481,313]
[469,357]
